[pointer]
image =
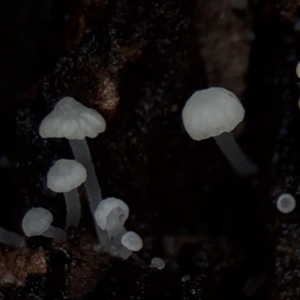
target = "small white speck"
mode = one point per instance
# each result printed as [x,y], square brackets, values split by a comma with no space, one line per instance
[185,278]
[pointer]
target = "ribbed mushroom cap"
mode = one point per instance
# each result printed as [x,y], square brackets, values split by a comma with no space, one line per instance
[36,221]
[66,175]
[210,112]
[111,208]
[72,120]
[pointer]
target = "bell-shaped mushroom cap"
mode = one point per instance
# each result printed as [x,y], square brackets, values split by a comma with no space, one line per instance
[210,112]
[72,120]
[111,214]
[36,221]
[132,241]
[65,175]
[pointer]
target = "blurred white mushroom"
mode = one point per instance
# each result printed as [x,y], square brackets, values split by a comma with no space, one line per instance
[11,238]
[37,221]
[215,112]
[73,121]
[64,177]
[132,241]
[286,203]
[157,262]
[9,278]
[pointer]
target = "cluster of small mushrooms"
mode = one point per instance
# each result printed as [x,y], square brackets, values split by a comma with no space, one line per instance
[73,121]
[212,112]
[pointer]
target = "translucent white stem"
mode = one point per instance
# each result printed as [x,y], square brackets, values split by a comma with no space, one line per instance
[236,157]
[55,233]
[73,208]
[116,248]
[11,238]
[82,154]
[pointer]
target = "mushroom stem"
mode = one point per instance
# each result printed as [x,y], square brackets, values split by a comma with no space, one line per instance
[82,154]
[236,157]
[55,233]
[73,208]
[11,238]
[116,248]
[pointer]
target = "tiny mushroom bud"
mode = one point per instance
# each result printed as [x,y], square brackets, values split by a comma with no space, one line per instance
[215,112]
[64,177]
[132,241]
[286,203]
[37,221]
[73,121]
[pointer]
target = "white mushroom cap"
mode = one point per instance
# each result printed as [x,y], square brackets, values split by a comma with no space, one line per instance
[286,203]
[66,175]
[111,214]
[36,221]
[298,69]
[132,241]
[210,112]
[158,263]
[72,120]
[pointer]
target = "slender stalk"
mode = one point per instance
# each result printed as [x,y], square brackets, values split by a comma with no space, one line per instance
[73,208]
[11,238]
[238,160]
[82,154]
[55,233]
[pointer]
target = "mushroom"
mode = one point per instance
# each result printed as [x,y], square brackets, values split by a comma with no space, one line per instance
[215,112]
[11,238]
[37,221]
[132,241]
[298,69]
[64,177]
[158,263]
[73,121]
[111,215]
[286,203]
